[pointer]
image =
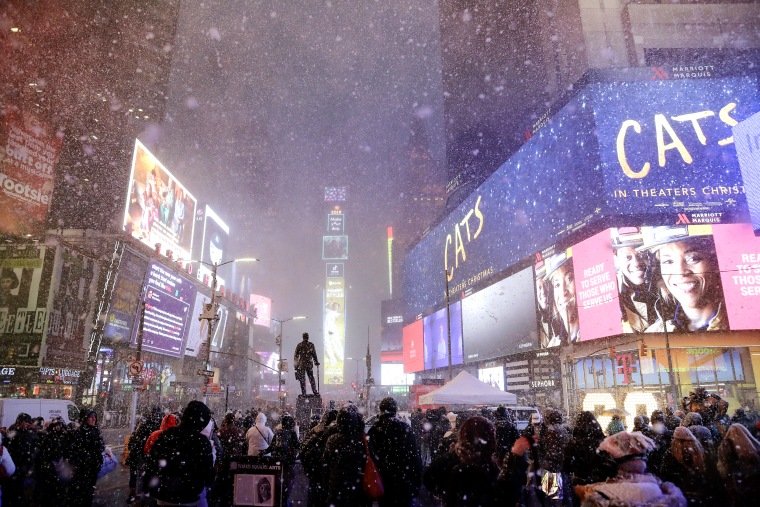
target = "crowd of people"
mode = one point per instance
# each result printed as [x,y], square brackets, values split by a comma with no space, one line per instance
[50,462]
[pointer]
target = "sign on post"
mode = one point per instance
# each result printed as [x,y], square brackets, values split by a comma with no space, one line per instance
[206,373]
[135,368]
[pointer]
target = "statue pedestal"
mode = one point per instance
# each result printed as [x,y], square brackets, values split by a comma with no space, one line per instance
[307,405]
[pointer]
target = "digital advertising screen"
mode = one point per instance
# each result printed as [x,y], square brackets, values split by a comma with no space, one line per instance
[556,303]
[125,302]
[216,235]
[263,309]
[667,147]
[196,330]
[336,223]
[159,208]
[392,324]
[414,360]
[334,322]
[393,375]
[500,319]
[168,300]
[747,141]
[335,194]
[334,247]
[493,376]
[436,337]
[29,150]
[524,206]
[738,251]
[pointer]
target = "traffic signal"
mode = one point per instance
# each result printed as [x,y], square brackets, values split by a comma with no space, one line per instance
[612,353]
[643,352]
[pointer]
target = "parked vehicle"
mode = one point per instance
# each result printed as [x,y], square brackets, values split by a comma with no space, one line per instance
[10,408]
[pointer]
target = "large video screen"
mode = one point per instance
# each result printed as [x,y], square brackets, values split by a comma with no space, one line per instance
[500,319]
[493,376]
[436,333]
[414,359]
[159,208]
[334,247]
[524,206]
[262,306]
[126,297]
[168,300]
[667,146]
[216,235]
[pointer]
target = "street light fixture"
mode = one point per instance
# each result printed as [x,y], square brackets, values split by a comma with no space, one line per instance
[280,364]
[210,310]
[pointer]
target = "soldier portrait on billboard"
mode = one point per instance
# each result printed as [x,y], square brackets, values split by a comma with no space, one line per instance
[637,292]
[565,323]
[543,307]
[687,265]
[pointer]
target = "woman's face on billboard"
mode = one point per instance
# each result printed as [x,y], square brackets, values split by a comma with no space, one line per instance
[563,285]
[690,272]
[631,264]
[541,294]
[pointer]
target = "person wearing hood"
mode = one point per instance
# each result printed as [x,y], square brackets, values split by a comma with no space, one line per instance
[284,448]
[52,470]
[396,454]
[685,465]
[632,486]
[739,465]
[85,455]
[581,459]
[345,458]
[259,436]
[506,432]
[169,421]
[7,467]
[23,446]
[181,462]
[312,449]
[211,493]
[136,458]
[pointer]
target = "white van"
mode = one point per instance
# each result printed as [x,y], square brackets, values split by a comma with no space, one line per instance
[10,408]
[522,415]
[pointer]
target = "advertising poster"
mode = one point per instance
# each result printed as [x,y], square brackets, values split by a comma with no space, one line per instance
[500,319]
[336,223]
[556,302]
[159,208]
[213,246]
[25,276]
[391,334]
[256,481]
[747,140]
[596,286]
[334,247]
[29,152]
[414,359]
[261,306]
[436,337]
[334,330]
[493,376]
[168,298]
[70,319]
[126,297]
[666,146]
[739,257]
[196,330]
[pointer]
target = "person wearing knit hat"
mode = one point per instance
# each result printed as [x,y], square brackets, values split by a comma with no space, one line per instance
[181,463]
[632,486]
[686,466]
[86,458]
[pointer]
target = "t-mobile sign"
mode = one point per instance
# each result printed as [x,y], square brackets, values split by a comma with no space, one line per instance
[167,298]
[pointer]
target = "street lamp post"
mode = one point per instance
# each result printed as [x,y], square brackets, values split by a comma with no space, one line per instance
[280,364]
[209,310]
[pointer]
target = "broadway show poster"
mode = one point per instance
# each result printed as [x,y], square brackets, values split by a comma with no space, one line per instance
[125,302]
[159,209]
[29,151]
[739,257]
[25,273]
[71,314]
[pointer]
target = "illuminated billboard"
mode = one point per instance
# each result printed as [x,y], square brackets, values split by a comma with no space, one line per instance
[662,150]
[159,208]
[216,235]
[168,299]
[334,247]
[747,139]
[261,306]
[335,194]
[435,331]
[334,320]
[29,150]
[500,319]
[493,376]
[414,360]
[126,297]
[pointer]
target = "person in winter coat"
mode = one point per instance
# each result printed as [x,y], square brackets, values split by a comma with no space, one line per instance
[473,480]
[615,426]
[136,459]
[7,467]
[506,432]
[312,450]
[519,475]
[85,455]
[284,448]
[739,465]
[23,446]
[632,486]
[686,467]
[259,436]
[210,494]
[52,470]
[181,462]
[552,441]
[582,461]
[397,456]
[232,436]
[345,458]
[169,421]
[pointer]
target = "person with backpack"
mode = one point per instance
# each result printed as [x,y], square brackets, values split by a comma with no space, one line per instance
[259,436]
[284,448]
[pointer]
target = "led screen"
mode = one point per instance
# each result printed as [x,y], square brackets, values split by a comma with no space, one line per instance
[159,209]
[413,347]
[500,319]
[213,246]
[435,335]
[523,207]
[262,306]
[739,258]
[126,297]
[747,138]
[197,331]
[493,376]
[393,375]
[335,194]
[168,298]
[334,247]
